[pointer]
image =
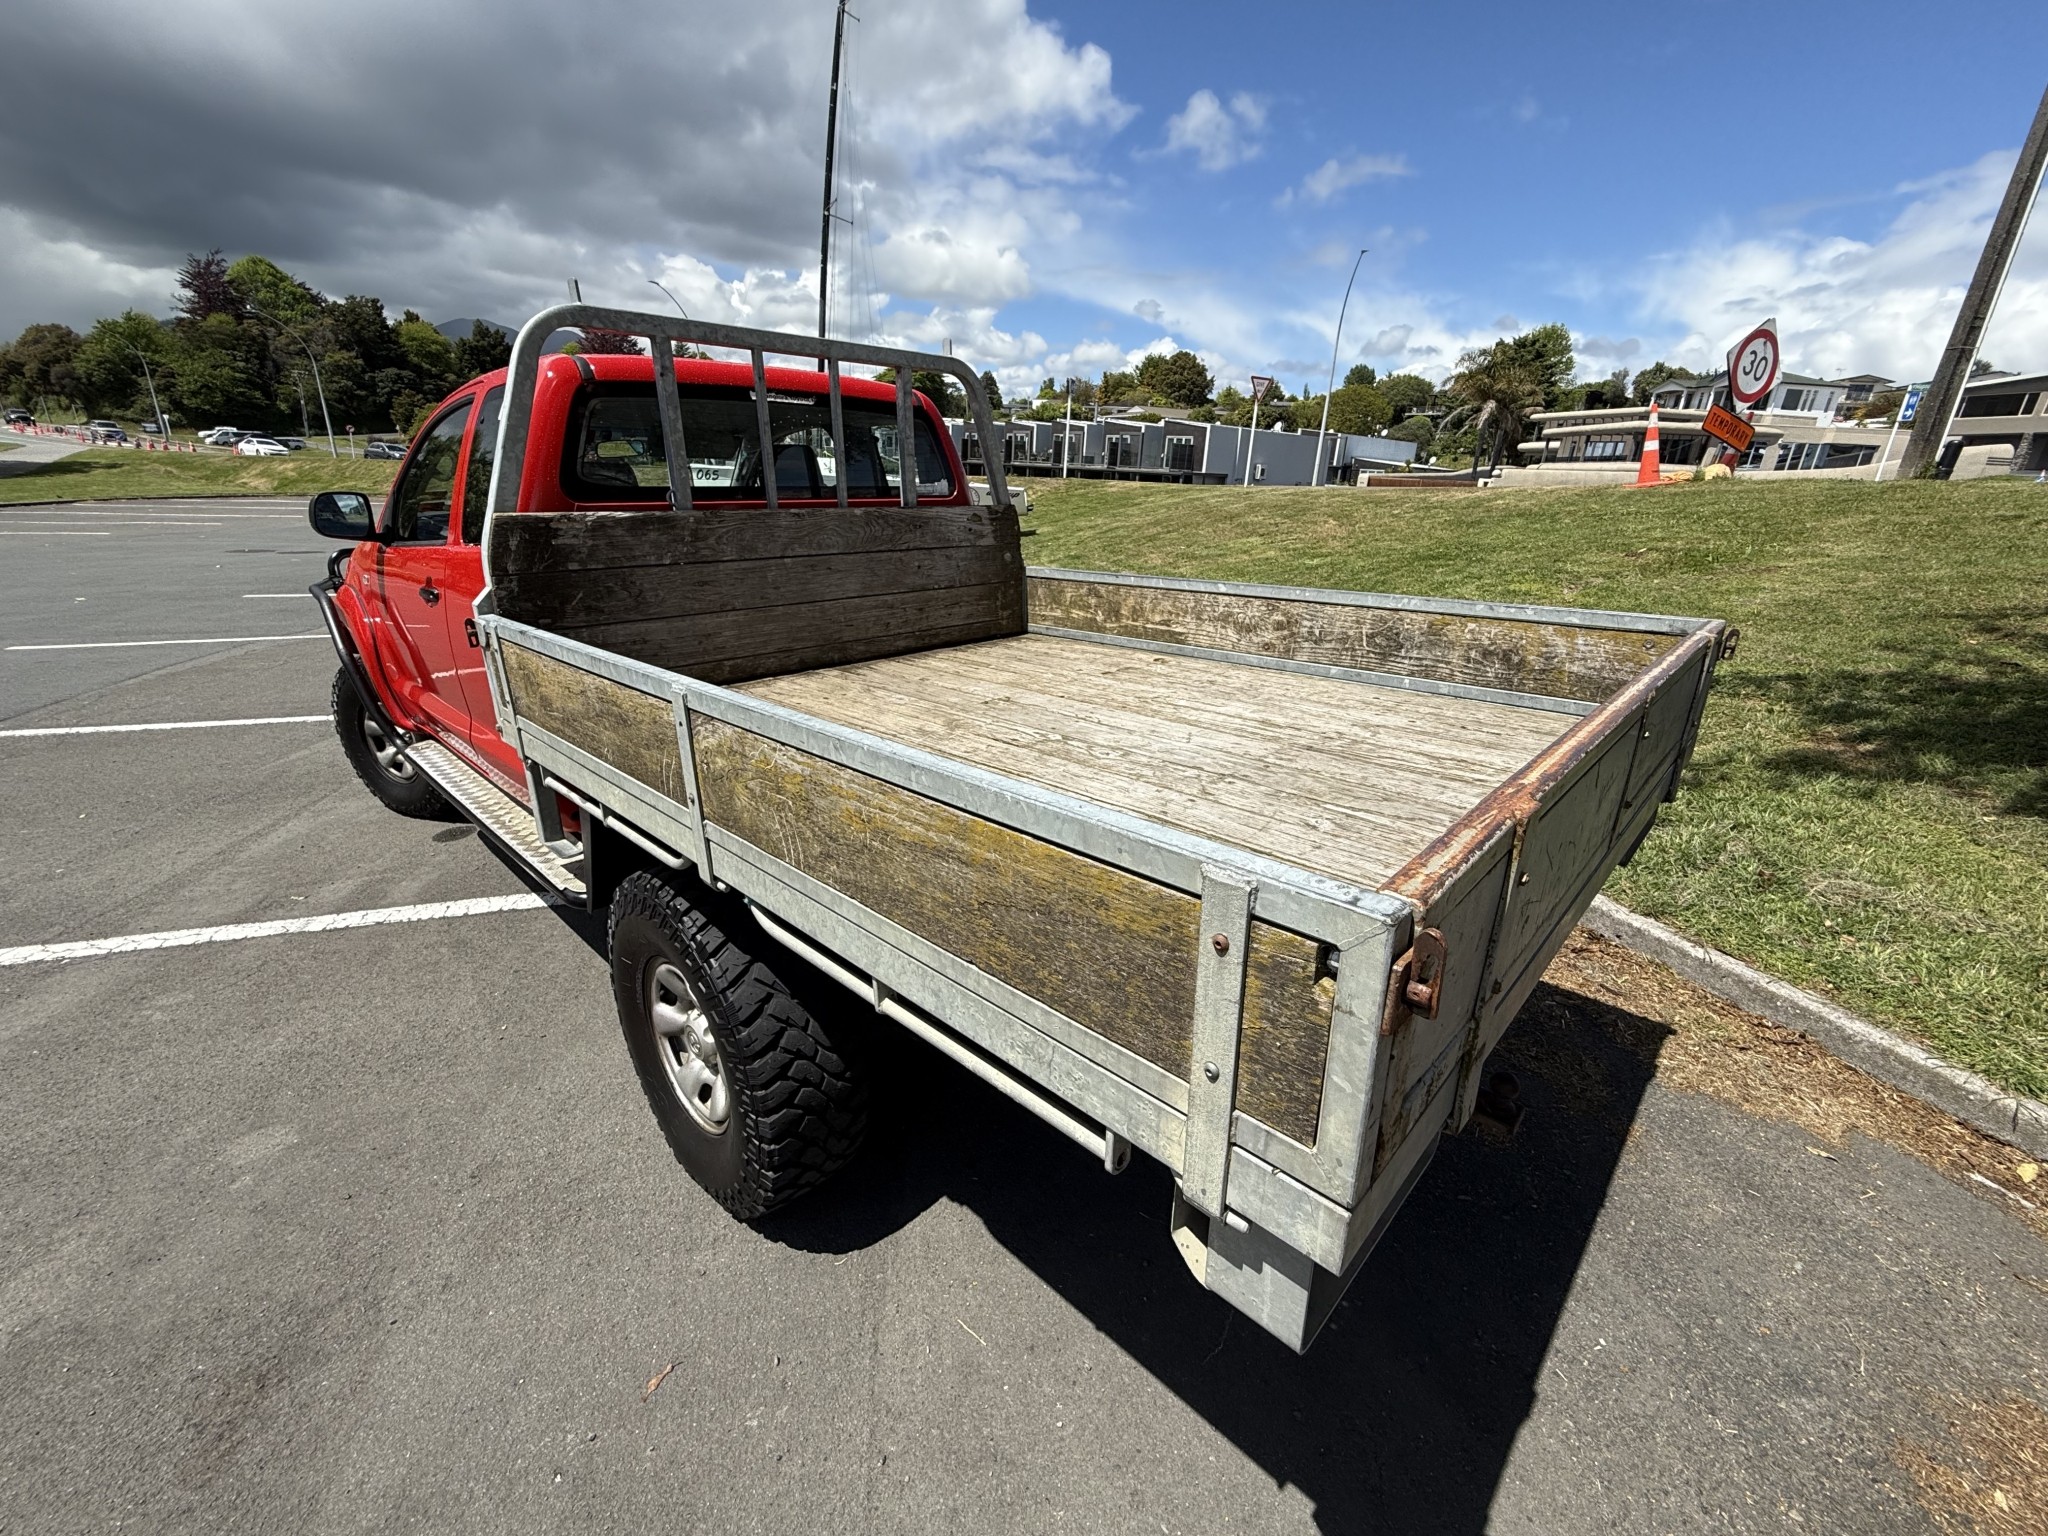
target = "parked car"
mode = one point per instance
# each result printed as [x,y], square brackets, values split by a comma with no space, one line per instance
[106,432]
[384,451]
[151,427]
[293,443]
[17,417]
[222,437]
[260,448]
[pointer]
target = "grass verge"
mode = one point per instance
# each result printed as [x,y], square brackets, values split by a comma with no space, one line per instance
[101,474]
[1867,812]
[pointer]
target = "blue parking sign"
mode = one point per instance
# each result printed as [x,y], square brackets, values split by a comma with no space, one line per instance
[1911,405]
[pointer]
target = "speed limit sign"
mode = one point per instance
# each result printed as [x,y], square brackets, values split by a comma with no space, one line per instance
[1753,364]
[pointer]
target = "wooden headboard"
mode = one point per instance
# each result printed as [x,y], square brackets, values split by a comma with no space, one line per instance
[728,596]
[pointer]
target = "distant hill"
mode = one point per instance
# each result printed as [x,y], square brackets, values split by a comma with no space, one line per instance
[458,330]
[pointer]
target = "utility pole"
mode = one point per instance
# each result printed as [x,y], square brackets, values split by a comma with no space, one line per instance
[831,146]
[1945,395]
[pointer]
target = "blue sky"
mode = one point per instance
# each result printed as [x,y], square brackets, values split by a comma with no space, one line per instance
[1584,163]
[1054,187]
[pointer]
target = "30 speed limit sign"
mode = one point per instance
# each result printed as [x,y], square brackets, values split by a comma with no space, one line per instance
[1753,364]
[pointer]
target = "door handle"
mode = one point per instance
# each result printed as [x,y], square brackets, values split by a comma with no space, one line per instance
[430,594]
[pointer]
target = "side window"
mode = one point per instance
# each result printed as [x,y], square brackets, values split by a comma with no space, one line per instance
[426,487]
[614,450]
[483,453]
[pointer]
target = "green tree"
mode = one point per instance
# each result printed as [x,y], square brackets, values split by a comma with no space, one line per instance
[108,368]
[1608,394]
[1405,394]
[484,350]
[428,354]
[1360,373]
[204,288]
[993,390]
[1357,408]
[1880,406]
[1502,386]
[1419,430]
[262,284]
[220,372]
[39,366]
[1546,355]
[1177,378]
[1121,387]
[1650,379]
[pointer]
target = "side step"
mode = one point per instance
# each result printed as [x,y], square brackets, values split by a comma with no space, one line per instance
[497,815]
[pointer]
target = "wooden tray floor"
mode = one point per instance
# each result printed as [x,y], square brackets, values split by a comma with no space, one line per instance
[1348,779]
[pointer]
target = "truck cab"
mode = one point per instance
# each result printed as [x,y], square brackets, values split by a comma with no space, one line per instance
[405,596]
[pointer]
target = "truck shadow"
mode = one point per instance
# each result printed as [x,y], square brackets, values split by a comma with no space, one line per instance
[1403,1413]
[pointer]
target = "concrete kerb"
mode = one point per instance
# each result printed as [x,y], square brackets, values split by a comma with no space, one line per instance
[1975,1101]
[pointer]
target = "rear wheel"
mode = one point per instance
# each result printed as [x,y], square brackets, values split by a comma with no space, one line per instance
[377,760]
[757,1103]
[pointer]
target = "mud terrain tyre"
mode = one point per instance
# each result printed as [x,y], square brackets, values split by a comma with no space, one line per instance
[375,758]
[756,1101]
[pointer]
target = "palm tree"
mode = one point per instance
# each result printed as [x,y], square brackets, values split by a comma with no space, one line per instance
[1503,389]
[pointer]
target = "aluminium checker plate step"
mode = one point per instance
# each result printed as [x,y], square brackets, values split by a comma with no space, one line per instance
[501,818]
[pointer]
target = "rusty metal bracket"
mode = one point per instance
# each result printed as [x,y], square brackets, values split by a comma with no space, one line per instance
[1729,641]
[1416,985]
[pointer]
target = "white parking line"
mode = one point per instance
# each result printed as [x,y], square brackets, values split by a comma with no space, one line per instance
[165,725]
[300,595]
[180,938]
[50,533]
[110,645]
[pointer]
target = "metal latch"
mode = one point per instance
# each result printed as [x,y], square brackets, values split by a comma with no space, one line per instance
[1729,641]
[1418,978]
[469,633]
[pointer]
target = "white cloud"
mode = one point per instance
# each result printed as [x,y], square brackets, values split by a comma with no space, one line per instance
[1341,175]
[1218,136]
[1849,306]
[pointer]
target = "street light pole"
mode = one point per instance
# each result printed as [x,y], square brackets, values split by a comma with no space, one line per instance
[671,297]
[163,427]
[325,419]
[1331,387]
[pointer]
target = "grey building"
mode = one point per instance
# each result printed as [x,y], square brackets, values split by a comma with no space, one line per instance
[2000,428]
[1180,451]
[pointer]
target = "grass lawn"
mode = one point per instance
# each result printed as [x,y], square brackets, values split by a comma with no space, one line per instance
[1867,811]
[99,474]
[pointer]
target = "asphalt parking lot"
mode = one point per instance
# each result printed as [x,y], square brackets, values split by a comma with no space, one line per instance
[369,1229]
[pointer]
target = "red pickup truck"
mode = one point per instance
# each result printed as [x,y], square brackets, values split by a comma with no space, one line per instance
[1245,879]
[402,602]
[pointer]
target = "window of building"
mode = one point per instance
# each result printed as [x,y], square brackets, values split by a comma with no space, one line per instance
[1180,453]
[1796,400]
[1610,448]
[2000,405]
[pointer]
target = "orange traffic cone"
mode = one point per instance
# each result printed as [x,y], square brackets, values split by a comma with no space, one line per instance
[1652,470]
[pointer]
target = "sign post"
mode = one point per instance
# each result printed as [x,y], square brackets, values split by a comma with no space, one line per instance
[1908,409]
[1259,388]
[1753,365]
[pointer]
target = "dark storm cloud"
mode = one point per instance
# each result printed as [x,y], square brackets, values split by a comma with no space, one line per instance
[472,155]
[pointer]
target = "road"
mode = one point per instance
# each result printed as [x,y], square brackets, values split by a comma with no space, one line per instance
[370,1230]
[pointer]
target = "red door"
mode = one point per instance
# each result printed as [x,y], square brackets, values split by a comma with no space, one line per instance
[418,572]
[465,582]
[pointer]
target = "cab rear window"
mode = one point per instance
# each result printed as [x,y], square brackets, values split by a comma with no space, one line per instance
[614,450]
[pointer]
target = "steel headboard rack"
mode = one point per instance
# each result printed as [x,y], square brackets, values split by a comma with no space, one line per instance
[662,333]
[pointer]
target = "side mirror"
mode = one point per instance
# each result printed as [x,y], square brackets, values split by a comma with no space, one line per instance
[342,515]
